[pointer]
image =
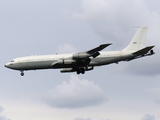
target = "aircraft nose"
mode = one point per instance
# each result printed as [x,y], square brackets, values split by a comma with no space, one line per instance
[7,65]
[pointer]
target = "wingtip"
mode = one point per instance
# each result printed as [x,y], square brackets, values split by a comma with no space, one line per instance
[152,46]
[106,44]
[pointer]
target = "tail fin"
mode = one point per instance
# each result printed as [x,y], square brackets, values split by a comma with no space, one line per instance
[138,41]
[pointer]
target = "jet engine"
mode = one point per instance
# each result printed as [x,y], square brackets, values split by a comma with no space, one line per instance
[80,55]
[66,62]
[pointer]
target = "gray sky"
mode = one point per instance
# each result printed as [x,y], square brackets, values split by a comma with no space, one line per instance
[127,91]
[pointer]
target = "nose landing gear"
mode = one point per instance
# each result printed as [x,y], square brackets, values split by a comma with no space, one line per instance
[22,73]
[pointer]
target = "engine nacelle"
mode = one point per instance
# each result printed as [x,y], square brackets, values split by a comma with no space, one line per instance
[66,62]
[80,55]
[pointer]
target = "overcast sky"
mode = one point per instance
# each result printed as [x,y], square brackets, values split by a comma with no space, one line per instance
[127,91]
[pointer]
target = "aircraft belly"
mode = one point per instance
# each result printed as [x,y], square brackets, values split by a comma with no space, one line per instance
[43,65]
[64,66]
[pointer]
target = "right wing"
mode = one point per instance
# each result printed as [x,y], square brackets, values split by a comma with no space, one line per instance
[83,57]
[95,51]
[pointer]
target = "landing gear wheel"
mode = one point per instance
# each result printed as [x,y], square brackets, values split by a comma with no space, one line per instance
[78,71]
[82,70]
[22,74]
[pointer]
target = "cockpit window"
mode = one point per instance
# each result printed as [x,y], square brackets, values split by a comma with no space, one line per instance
[12,61]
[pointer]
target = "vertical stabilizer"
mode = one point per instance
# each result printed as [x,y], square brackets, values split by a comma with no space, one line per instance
[138,41]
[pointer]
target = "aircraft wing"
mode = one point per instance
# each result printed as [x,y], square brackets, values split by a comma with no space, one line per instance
[83,57]
[99,48]
[95,51]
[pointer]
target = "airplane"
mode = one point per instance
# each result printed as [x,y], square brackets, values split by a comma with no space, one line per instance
[87,60]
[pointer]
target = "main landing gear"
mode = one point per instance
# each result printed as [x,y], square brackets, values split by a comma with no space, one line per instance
[22,73]
[80,70]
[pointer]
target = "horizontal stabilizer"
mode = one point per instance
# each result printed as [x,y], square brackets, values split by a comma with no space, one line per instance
[143,51]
